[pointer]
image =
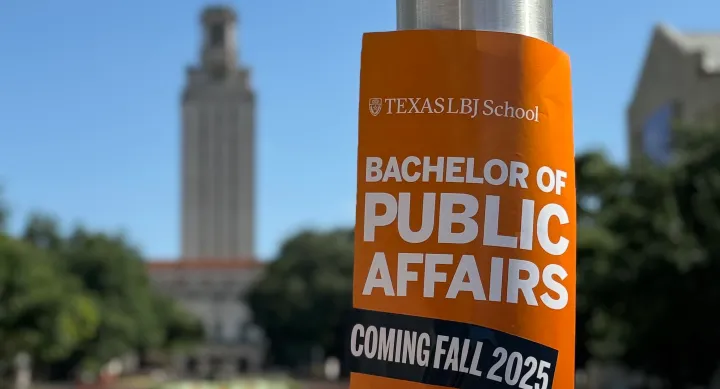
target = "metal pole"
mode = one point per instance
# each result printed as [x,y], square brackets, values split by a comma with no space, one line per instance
[532,18]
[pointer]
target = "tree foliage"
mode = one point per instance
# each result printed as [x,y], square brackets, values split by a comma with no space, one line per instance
[114,274]
[76,301]
[649,260]
[41,313]
[180,329]
[305,295]
[3,213]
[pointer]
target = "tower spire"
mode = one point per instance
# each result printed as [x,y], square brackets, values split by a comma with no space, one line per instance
[219,48]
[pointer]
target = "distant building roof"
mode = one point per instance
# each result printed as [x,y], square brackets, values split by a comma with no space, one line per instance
[218,13]
[705,44]
[204,264]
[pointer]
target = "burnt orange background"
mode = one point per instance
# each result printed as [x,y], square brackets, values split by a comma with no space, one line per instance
[484,65]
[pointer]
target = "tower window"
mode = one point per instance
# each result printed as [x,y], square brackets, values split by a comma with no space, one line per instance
[217,35]
[218,332]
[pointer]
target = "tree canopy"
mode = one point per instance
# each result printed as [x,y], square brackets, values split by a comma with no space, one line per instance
[305,295]
[42,314]
[76,301]
[649,258]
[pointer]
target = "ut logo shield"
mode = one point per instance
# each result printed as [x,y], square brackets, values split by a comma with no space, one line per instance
[375,106]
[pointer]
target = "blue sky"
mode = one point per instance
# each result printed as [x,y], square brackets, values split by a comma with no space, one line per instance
[89,97]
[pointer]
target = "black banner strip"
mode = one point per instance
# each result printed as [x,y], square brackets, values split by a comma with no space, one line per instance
[446,353]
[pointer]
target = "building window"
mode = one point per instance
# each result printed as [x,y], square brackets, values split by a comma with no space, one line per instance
[242,365]
[657,134]
[217,35]
[191,365]
[218,331]
[218,297]
[241,331]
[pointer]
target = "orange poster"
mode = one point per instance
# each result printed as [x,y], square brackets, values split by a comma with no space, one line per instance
[465,237]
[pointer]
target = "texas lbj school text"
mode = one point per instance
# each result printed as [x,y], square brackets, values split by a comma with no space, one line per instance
[468,221]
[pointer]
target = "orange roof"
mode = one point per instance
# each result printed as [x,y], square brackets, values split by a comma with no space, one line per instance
[205,264]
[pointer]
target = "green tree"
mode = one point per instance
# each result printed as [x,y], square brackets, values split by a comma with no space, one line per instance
[4,213]
[649,259]
[43,311]
[113,272]
[132,316]
[680,288]
[180,329]
[305,295]
[78,301]
[43,231]
[597,181]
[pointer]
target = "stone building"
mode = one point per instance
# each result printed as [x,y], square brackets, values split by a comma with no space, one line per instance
[679,83]
[214,291]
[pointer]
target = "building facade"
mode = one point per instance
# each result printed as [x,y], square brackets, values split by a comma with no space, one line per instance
[679,84]
[218,147]
[214,291]
[217,265]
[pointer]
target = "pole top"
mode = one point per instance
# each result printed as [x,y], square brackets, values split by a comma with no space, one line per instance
[532,18]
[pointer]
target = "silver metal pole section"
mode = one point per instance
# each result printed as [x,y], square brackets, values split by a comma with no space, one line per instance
[532,18]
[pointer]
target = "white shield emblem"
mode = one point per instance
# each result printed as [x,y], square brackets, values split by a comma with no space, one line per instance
[375,106]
